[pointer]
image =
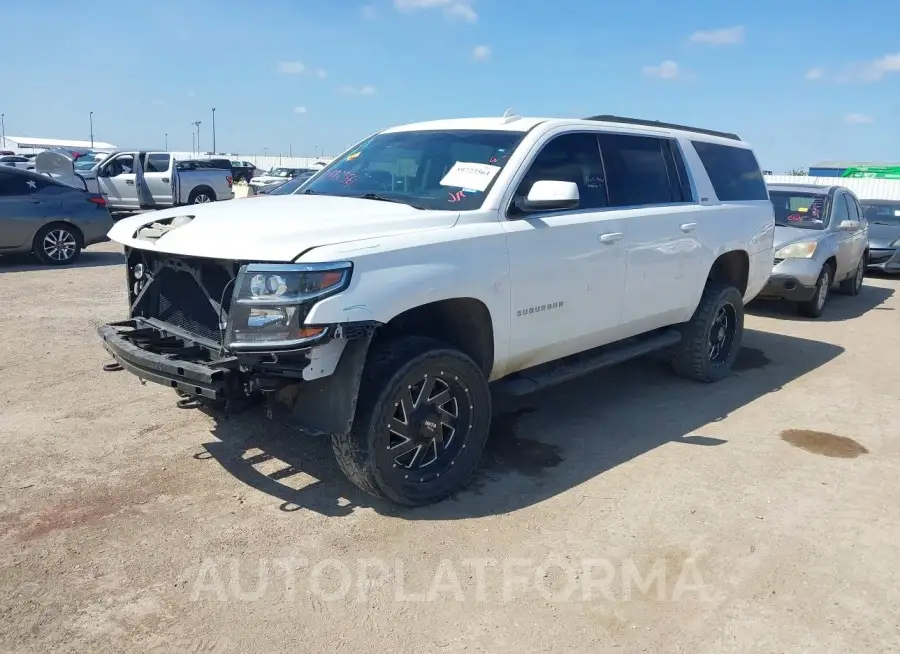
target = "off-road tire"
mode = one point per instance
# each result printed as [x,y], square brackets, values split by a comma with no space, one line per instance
[66,235]
[853,285]
[691,357]
[204,191]
[813,308]
[390,367]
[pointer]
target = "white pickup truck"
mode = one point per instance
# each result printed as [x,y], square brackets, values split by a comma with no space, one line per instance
[433,264]
[138,179]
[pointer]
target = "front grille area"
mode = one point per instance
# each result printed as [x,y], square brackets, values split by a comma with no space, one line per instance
[184,292]
[183,303]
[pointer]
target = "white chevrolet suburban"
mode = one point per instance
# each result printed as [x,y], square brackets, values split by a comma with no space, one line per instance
[435,263]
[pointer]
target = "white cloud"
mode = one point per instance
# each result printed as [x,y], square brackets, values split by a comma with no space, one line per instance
[367,89]
[668,69]
[367,12]
[191,94]
[815,73]
[453,9]
[723,36]
[481,52]
[858,119]
[299,110]
[871,71]
[321,74]
[291,67]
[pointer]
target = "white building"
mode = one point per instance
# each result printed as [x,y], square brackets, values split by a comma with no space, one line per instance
[28,144]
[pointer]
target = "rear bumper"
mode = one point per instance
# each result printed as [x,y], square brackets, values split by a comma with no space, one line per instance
[123,341]
[787,287]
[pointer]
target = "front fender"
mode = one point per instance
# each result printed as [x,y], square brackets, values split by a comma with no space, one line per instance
[386,284]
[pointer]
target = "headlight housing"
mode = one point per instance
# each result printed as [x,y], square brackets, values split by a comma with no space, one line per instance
[271,301]
[803,250]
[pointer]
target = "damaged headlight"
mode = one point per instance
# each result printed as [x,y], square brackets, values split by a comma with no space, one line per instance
[271,301]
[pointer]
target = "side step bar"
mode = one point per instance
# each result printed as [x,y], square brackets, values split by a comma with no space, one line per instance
[556,372]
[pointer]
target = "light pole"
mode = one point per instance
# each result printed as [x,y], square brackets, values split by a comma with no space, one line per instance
[193,143]
[196,124]
[91,118]
[167,142]
[214,129]
[3,128]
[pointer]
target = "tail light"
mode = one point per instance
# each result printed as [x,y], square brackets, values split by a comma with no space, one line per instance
[99,200]
[230,181]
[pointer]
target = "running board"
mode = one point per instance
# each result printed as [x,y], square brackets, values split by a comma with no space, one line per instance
[556,372]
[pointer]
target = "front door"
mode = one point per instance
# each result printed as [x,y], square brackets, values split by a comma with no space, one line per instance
[567,268]
[116,180]
[846,250]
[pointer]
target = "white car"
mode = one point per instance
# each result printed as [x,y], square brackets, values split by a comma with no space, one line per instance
[276,176]
[17,161]
[378,303]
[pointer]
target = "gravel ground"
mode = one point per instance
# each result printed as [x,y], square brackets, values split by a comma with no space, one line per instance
[630,510]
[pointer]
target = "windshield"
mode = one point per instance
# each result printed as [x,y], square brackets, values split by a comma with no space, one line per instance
[445,169]
[804,210]
[279,172]
[881,213]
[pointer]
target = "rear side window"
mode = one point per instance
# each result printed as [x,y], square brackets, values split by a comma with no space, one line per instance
[640,170]
[734,172]
[12,184]
[157,163]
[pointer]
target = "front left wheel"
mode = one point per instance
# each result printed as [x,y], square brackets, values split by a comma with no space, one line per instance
[422,420]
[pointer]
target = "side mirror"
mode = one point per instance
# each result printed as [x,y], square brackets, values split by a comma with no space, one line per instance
[550,195]
[849,225]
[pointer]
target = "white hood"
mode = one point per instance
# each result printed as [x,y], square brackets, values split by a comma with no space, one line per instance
[276,229]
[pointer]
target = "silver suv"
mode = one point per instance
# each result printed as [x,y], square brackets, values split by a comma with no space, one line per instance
[821,238]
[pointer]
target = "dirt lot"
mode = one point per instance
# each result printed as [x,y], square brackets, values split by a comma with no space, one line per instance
[631,510]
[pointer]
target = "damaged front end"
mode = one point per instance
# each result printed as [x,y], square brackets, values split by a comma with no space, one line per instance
[229,332]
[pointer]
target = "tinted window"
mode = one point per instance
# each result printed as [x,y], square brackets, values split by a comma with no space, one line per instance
[12,184]
[841,210]
[637,172]
[734,172]
[681,181]
[569,158]
[157,163]
[797,209]
[854,208]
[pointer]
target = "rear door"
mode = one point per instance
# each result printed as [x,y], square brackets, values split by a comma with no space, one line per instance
[158,175]
[646,177]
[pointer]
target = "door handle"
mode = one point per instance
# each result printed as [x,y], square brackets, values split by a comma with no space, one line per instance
[611,237]
[165,180]
[130,182]
[688,227]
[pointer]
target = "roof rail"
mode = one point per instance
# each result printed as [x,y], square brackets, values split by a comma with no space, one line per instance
[656,123]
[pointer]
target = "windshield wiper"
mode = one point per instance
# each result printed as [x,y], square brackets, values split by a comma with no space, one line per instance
[381,198]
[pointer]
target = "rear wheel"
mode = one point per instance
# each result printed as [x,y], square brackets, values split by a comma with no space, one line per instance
[813,308]
[712,338]
[853,285]
[201,195]
[57,244]
[421,423]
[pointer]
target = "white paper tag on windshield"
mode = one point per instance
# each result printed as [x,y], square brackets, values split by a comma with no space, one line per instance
[470,175]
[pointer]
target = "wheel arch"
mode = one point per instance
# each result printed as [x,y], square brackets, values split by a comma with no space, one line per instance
[76,231]
[733,268]
[202,188]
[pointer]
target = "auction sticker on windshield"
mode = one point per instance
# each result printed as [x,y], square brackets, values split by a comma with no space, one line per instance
[468,175]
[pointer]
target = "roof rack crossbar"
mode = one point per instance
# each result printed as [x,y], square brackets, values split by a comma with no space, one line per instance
[656,123]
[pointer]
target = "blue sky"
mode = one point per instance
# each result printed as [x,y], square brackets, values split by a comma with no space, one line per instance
[803,80]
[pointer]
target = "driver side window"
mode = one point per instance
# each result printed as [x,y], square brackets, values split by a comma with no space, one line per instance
[121,165]
[841,210]
[568,158]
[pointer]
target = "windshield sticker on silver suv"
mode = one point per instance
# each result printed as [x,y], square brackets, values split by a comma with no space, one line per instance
[465,174]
